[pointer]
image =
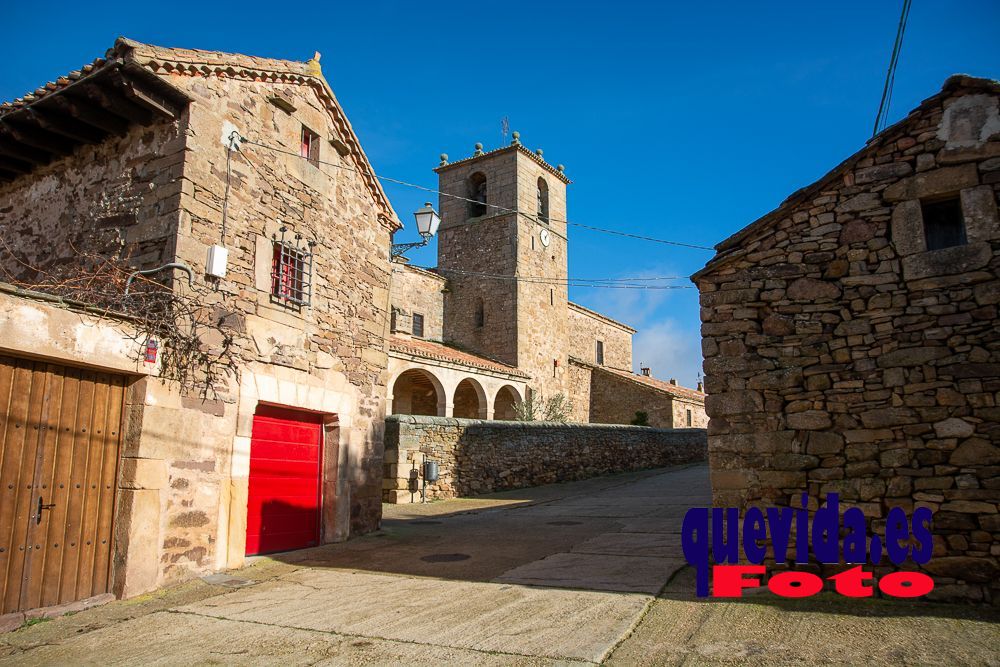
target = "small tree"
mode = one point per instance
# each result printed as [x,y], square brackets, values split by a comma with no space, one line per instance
[641,418]
[535,408]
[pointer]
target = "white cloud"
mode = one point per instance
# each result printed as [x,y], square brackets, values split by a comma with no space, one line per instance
[672,351]
[668,344]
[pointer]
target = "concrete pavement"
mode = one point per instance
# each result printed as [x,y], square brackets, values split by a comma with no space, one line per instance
[577,573]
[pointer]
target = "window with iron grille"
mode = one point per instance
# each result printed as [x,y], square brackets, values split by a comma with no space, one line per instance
[291,271]
[600,353]
[418,325]
[690,420]
[309,147]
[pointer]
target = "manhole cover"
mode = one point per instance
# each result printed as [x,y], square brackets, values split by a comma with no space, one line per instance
[445,558]
[425,523]
[565,523]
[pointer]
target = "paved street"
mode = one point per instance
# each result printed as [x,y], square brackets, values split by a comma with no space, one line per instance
[573,573]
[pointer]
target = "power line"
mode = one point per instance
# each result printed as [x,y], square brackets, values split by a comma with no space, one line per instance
[416,186]
[581,280]
[610,283]
[890,75]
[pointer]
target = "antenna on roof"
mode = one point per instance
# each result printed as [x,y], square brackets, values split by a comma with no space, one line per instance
[504,130]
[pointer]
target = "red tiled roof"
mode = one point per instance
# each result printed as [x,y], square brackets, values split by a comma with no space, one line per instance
[666,387]
[442,352]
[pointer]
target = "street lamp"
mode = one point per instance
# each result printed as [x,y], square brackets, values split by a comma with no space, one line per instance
[427,226]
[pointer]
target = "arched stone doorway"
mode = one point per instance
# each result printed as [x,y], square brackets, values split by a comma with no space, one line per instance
[417,392]
[503,404]
[470,400]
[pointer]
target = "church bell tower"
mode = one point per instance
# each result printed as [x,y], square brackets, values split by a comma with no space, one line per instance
[502,245]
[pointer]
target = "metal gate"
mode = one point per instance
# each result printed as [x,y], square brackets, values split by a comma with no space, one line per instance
[59,434]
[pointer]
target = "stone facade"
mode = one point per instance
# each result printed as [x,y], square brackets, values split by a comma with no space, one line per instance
[416,291]
[614,394]
[165,202]
[843,355]
[484,456]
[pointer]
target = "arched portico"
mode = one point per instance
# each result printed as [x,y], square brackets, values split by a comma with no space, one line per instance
[503,404]
[470,400]
[418,392]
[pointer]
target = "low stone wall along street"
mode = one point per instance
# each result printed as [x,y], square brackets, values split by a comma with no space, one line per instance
[476,456]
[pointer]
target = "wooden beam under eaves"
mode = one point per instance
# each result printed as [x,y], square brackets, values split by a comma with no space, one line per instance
[38,139]
[63,125]
[115,104]
[138,93]
[19,151]
[89,113]
[14,165]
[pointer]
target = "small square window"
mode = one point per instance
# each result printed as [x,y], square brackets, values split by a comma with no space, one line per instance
[418,325]
[291,274]
[600,353]
[944,226]
[309,148]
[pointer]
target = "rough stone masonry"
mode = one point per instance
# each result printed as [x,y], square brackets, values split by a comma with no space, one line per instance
[851,348]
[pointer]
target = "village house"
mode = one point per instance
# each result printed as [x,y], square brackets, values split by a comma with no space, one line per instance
[852,339]
[117,475]
[492,323]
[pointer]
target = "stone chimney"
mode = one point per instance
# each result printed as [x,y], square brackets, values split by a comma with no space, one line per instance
[645,371]
[673,381]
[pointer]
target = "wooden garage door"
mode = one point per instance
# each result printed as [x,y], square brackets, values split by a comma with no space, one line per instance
[283,500]
[59,434]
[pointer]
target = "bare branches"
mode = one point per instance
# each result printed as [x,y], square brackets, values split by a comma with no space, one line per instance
[198,343]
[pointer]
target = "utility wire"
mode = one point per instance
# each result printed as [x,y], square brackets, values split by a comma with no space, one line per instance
[397,181]
[547,278]
[561,282]
[890,75]
[597,283]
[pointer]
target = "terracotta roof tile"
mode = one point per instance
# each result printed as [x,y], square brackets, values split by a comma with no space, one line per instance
[441,352]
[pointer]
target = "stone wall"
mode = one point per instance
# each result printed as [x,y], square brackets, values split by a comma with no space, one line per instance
[417,291]
[116,198]
[483,456]
[843,356]
[586,327]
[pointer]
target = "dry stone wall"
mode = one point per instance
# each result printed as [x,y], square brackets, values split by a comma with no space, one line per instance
[483,456]
[843,356]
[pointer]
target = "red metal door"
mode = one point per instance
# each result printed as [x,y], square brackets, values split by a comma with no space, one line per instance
[283,500]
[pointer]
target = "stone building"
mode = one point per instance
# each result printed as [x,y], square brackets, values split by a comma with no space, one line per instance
[852,339]
[493,322]
[128,161]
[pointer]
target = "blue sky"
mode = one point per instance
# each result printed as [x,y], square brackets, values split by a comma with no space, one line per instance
[683,121]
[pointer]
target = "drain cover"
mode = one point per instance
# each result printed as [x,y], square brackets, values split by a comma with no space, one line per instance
[444,558]
[424,522]
[565,523]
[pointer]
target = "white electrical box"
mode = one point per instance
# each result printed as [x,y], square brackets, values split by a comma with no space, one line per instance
[216,263]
